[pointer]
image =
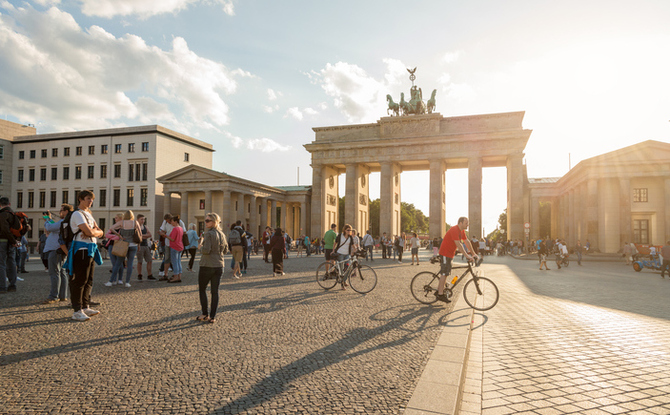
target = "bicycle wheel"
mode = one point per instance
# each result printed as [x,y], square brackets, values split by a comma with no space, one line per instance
[326,280]
[566,262]
[424,287]
[481,293]
[363,279]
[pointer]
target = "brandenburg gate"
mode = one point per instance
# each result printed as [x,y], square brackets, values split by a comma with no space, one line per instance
[431,142]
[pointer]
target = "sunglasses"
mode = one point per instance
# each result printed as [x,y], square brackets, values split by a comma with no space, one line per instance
[209,220]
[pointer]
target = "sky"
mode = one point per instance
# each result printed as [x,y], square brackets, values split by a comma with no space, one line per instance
[253,77]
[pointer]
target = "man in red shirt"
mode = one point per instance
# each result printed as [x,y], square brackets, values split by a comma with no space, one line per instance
[453,240]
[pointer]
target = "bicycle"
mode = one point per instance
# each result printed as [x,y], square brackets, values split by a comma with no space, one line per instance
[361,278]
[424,287]
[562,260]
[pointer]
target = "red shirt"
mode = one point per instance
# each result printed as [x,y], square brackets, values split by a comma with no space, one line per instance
[448,247]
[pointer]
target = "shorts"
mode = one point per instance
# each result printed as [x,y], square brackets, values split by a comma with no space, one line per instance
[144,253]
[445,265]
[328,254]
[415,251]
[238,253]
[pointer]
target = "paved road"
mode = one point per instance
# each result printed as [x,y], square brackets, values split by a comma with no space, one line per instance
[280,345]
[588,340]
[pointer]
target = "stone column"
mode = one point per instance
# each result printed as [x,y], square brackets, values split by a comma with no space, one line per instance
[571,240]
[273,214]
[253,216]
[318,200]
[535,218]
[303,219]
[209,207]
[555,207]
[351,195]
[475,197]
[287,218]
[592,225]
[667,211]
[264,214]
[389,219]
[437,209]
[625,217]
[515,196]
[241,209]
[226,211]
[184,208]
[167,199]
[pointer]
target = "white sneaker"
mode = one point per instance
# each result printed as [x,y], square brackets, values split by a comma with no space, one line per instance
[120,282]
[161,274]
[127,285]
[80,316]
[19,279]
[109,284]
[90,312]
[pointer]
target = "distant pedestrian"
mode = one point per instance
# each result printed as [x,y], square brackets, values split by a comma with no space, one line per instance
[414,246]
[56,258]
[277,247]
[329,240]
[578,250]
[368,243]
[213,245]
[543,252]
[192,247]
[665,253]
[176,247]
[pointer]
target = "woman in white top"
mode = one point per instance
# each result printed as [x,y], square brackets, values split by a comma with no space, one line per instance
[414,245]
[125,230]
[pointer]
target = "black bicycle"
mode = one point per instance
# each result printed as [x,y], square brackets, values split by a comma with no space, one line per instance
[562,260]
[362,278]
[479,292]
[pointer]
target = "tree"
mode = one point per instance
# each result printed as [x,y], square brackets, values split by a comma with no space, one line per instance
[374,217]
[411,218]
[500,234]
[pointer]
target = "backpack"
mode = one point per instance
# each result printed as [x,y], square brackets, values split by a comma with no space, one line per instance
[184,240]
[234,237]
[288,239]
[66,233]
[20,225]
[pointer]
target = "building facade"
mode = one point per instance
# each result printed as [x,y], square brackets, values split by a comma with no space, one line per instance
[9,130]
[119,165]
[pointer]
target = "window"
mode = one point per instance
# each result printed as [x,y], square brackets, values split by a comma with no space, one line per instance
[117,197]
[131,171]
[78,151]
[43,199]
[91,150]
[117,148]
[44,153]
[103,149]
[91,172]
[144,196]
[31,175]
[52,199]
[131,147]
[117,171]
[75,202]
[137,171]
[66,174]
[640,195]
[103,171]
[66,196]
[20,175]
[32,154]
[66,152]
[101,223]
[186,156]
[54,173]
[77,172]
[54,152]
[31,200]
[19,200]
[2,152]
[144,171]
[145,146]
[641,231]
[43,174]
[102,199]
[0,176]
[130,198]
[22,155]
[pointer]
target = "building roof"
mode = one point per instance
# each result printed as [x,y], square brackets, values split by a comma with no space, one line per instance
[543,180]
[294,188]
[143,129]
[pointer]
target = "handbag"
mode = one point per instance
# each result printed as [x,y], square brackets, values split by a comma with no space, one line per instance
[120,248]
[184,240]
[137,236]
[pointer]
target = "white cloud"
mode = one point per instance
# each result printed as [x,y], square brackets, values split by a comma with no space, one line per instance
[309,111]
[68,77]
[451,57]
[295,113]
[266,145]
[47,2]
[270,109]
[272,95]
[144,8]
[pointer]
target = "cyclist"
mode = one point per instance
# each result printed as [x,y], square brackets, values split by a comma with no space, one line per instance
[344,245]
[452,241]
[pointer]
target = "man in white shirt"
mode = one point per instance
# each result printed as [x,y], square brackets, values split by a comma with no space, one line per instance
[368,243]
[164,230]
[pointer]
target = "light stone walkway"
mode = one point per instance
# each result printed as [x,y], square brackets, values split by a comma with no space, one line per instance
[588,340]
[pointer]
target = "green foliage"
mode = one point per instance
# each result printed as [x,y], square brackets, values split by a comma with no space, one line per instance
[500,234]
[374,217]
[412,219]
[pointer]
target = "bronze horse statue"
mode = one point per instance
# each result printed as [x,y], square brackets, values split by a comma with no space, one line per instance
[431,102]
[394,108]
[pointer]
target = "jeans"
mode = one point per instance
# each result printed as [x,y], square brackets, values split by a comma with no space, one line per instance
[117,271]
[369,248]
[175,260]
[7,264]
[22,262]
[665,267]
[58,275]
[167,257]
[205,276]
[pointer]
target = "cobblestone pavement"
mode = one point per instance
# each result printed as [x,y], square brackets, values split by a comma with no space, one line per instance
[588,340]
[280,345]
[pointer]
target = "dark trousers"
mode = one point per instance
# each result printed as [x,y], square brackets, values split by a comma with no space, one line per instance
[400,249]
[191,253]
[277,261]
[244,259]
[81,282]
[208,275]
[665,267]
[266,253]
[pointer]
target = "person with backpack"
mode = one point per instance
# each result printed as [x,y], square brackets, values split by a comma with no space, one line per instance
[81,238]
[213,246]
[56,257]
[8,244]
[129,231]
[237,248]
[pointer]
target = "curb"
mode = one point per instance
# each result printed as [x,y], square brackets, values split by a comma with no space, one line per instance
[440,387]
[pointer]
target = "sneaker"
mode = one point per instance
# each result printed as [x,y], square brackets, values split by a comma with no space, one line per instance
[151,277]
[11,288]
[244,271]
[19,279]
[109,284]
[399,262]
[127,285]
[161,274]
[91,303]
[80,316]
[65,299]
[90,312]
[139,277]
[120,282]
[442,297]
[50,301]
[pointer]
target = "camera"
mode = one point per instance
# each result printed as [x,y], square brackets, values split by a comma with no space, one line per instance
[46,213]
